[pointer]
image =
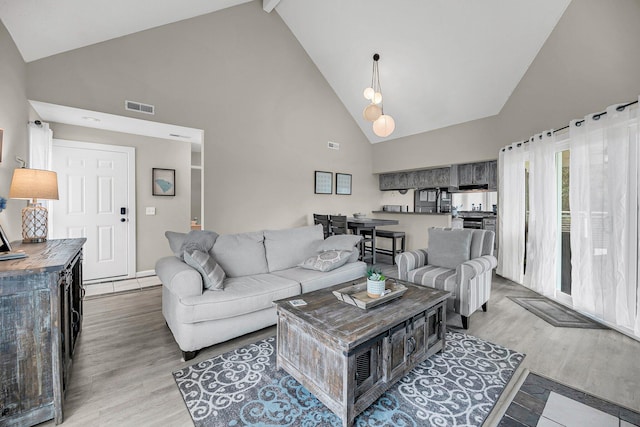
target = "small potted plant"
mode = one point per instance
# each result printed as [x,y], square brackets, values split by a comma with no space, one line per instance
[375,283]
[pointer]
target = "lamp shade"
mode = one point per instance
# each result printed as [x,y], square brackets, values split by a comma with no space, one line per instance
[34,184]
[384,125]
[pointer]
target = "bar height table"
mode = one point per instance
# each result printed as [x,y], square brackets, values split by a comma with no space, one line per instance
[358,225]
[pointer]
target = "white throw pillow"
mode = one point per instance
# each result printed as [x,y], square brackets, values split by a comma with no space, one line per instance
[326,261]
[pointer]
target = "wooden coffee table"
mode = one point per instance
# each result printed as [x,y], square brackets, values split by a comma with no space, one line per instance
[348,357]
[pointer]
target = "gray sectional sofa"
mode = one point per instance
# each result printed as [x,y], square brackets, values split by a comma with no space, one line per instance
[260,267]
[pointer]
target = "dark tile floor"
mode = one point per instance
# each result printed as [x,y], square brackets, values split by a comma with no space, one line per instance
[529,404]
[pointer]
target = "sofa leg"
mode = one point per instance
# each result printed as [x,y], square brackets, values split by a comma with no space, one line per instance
[465,322]
[484,307]
[188,355]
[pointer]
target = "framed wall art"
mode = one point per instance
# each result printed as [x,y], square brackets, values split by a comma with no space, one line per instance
[163,182]
[343,183]
[323,182]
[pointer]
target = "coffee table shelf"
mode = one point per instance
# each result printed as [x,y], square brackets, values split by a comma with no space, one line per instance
[348,357]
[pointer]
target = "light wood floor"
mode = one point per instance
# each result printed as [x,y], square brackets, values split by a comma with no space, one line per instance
[122,366]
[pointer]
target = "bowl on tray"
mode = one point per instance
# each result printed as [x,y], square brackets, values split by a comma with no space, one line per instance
[359,215]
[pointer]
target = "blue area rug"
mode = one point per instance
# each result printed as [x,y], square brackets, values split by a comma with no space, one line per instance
[457,387]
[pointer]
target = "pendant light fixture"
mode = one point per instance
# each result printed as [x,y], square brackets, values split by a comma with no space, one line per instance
[383,124]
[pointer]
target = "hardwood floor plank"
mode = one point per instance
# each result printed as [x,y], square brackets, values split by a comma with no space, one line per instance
[125,356]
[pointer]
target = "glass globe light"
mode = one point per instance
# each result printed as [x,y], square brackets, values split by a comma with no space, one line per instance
[377,98]
[371,112]
[384,126]
[368,93]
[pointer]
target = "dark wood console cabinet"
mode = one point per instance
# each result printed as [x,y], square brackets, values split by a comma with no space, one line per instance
[40,321]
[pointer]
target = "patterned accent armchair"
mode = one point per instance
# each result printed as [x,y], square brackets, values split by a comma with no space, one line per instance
[459,261]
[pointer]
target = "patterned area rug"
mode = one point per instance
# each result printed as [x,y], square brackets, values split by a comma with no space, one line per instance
[555,314]
[458,387]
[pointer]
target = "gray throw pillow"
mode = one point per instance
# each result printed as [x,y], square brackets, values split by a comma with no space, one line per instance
[448,248]
[340,242]
[326,261]
[198,240]
[212,274]
[175,242]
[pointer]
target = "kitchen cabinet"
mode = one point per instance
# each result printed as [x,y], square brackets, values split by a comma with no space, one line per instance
[493,175]
[41,313]
[425,178]
[481,173]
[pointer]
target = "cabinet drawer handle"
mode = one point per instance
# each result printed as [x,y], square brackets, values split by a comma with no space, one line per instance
[412,345]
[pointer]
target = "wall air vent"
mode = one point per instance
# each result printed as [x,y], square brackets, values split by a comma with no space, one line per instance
[333,145]
[139,107]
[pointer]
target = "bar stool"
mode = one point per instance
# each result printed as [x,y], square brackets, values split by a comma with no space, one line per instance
[393,235]
[324,220]
[367,252]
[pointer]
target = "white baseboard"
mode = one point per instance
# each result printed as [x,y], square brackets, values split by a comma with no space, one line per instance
[146,273]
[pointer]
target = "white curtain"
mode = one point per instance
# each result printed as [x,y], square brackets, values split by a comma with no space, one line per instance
[604,216]
[543,215]
[511,212]
[40,155]
[40,143]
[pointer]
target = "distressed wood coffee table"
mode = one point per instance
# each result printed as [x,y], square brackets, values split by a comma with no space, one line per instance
[348,357]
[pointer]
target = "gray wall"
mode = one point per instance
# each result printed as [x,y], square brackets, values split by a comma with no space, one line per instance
[241,76]
[171,213]
[14,114]
[590,60]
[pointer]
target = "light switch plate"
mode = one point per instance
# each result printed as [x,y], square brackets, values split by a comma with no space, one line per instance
[150,210]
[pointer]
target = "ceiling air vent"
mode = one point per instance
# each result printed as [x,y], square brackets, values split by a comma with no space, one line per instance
[333,145]
[139,107]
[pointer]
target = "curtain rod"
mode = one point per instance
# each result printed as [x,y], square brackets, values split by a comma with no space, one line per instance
[578,123]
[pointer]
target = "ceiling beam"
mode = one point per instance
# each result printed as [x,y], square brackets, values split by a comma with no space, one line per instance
[269,5]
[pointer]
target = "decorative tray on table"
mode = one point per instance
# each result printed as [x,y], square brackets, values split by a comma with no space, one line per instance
[356,294]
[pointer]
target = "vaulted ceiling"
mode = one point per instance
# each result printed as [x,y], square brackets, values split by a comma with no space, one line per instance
[442,62]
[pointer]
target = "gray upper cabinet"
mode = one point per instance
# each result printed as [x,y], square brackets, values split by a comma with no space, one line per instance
[467,174]
[493,175]
[394,181]
[480,173]
[426,178]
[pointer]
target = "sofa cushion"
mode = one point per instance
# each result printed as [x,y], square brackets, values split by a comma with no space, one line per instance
[327,260]
[288,248]
[312,280]
[198,240]
[175,242]
[449,248]
[343,242]
[241,254]
[212,274]
[242,295]
[441,278]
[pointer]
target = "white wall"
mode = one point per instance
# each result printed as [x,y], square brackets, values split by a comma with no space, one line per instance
[241,76]
[14,115]
[590,60]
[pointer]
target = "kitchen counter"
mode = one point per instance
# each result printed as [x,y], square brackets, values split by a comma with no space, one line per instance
[476,214]
[411,213]
[415,225]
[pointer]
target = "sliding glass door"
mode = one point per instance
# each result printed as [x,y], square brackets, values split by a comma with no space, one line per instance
[563,282]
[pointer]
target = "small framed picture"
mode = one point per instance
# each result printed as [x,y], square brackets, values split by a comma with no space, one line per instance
[343,183]
[323,182]
[163,182]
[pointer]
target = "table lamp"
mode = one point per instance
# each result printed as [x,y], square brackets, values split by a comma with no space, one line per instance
[34,184]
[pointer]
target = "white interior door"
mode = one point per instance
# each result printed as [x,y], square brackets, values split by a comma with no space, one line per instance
[97,201]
